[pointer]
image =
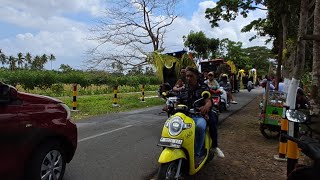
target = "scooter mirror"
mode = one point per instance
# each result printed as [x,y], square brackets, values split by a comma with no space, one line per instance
[296,116]
[164,94]
[206,94]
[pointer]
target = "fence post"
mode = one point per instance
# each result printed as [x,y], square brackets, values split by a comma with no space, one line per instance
[74,99]
[282,139]
[115,98]
[142,93]
[293,150]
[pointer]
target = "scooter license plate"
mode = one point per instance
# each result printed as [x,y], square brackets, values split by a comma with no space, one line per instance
[168,142]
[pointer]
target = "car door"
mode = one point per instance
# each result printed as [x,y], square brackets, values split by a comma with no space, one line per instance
[11,136]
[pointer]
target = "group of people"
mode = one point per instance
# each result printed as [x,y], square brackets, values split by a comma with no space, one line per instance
[209,79]
[190,86]
[302,101]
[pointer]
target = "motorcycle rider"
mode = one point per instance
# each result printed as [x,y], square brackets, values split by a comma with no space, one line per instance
[227,87]
[180,84]
[211,82]
[213,118]
[189,95]
[193,91]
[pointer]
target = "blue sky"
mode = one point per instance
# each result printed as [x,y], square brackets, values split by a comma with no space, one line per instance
[61,27]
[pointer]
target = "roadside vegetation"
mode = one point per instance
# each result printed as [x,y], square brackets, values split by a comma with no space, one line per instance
[94,105]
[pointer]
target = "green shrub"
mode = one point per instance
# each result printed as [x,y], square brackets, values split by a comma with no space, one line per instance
[57,89]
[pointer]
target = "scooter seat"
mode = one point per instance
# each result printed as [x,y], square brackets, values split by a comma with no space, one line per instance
[310,147]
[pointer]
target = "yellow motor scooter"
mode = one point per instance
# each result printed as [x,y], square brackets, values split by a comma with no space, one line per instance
[178,141]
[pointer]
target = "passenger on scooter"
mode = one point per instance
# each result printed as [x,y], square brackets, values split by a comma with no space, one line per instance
[192,92]
[180,84]
[211,82]
[213,118]
[227,87]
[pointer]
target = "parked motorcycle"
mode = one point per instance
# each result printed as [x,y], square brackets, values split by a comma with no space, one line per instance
[250,86]
[216,99]
[178,141]
[225,103]
[309,146]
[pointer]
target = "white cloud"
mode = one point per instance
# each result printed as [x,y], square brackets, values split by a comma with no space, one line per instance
[198,22]
[69,47]
[49,31]
[48,8]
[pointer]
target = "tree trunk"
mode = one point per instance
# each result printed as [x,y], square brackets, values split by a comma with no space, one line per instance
[315,93]
[279,60]
[284,5]
[299,61]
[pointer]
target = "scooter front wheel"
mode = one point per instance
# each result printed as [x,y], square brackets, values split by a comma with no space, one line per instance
[168,171]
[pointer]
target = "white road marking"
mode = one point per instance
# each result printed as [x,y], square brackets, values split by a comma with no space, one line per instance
[101,134]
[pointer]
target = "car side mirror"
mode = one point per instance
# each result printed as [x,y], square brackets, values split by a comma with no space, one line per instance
[7,93]
[296,116]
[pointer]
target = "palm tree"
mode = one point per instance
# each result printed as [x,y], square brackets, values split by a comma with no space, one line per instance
[28,60]
[12,63]
[43,60]
[36,63]
[20,59]
[52,58]
[3,58]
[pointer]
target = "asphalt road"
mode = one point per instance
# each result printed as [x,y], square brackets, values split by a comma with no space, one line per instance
[124,145]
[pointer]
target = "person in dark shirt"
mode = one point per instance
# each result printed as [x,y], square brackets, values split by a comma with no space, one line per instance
[188,96]
[301,100]
[192,92]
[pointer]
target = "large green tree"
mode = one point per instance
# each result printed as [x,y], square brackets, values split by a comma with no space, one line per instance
[280,23]
[202,46]
[259,58]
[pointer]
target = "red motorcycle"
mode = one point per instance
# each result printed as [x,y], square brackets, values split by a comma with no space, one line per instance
[216,99]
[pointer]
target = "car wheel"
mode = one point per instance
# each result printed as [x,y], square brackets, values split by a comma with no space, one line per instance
[47,163]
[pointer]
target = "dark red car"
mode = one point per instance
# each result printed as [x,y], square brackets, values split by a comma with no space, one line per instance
[37,138]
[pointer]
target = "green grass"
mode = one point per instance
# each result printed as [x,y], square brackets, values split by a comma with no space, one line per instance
[94,105]
[60,90]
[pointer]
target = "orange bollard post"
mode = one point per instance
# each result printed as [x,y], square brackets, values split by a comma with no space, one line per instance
[115,97]
[282,139]
[74,99]
[142,93]
[293,150]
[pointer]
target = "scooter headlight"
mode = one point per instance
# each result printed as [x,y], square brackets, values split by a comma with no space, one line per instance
[175,126]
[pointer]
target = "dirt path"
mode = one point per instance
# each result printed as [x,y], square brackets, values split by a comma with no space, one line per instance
[248,154]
